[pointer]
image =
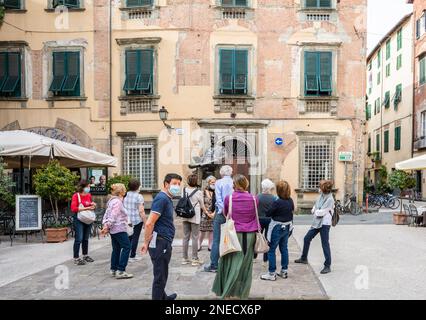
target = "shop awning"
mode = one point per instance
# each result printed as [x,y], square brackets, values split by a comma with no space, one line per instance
[37,150]
[416,163]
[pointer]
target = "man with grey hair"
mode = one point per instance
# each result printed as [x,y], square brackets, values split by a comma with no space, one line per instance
[224,187]
[266,199]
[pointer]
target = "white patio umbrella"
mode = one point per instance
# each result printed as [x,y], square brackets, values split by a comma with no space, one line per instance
[416,163]
[37,150]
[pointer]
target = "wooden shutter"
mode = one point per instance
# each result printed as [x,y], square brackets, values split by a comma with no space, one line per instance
[398,96]
[377,142]
[397,138]
[325,3]
[3,68]
[388,49]
[132,71]
[325,79]
[12,4]
[311,78]
[13,73]
[311,3]
[369,145]
[240,73]
[241,3]
[59,72]
[71,3]
[72,73]
[226,70]
[399,39]
[387,100]
[146,69]
[386,142]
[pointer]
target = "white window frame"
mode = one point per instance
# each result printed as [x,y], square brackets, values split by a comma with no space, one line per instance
[423,124]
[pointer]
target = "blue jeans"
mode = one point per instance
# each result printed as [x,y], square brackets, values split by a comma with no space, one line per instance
[82,234]
[324,232]
[134,238]
[120,251]
[218,220]
[279,238]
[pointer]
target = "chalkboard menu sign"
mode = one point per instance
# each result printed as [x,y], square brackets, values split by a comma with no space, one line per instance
[28,212]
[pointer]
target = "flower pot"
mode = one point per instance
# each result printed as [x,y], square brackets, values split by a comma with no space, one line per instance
[56,234]
[399,218]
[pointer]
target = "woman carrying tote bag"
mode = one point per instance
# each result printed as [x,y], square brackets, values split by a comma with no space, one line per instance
[234,274]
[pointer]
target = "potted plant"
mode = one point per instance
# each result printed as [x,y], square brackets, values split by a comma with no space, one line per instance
[403,181]
[55,183]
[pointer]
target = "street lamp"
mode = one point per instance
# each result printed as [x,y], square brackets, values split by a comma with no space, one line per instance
[163,117]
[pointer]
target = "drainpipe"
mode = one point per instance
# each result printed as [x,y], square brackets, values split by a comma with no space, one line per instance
[110,77]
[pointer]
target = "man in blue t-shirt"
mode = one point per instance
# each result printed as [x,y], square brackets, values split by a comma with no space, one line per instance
[159,234]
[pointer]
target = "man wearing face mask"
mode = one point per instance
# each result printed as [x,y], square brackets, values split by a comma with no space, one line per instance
[159,234]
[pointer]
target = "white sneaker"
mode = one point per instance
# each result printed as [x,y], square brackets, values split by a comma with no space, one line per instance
[283,274]
[186,261]
[123,275]
[269,276]
[196,262]
[113,273]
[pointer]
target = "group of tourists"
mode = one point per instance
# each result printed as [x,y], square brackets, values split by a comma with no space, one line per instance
[270,213]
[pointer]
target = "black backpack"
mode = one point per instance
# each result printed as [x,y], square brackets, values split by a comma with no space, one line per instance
[184,208]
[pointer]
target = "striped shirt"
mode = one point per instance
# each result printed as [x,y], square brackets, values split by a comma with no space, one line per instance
[131,202]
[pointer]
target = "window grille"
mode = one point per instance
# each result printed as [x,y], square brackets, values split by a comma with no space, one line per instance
[139,162]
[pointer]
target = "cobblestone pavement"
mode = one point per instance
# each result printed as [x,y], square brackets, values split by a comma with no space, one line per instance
[94,282]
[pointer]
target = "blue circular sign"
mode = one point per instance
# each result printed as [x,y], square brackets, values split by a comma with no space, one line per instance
[279,141]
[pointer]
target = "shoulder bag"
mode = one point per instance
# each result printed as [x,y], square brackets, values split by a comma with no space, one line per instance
[85,216]
[261,245]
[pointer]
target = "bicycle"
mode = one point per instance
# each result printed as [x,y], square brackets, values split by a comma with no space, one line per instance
[350,205]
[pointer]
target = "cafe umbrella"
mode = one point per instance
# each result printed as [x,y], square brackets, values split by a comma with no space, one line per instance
[18,147]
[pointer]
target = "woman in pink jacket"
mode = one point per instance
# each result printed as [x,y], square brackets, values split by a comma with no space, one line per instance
[115,223]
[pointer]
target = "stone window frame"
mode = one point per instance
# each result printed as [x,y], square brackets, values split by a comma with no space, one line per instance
[50,7]
[139,44]
[251,77]
[332,99]
[137,141]
[26,66]
[329,137]
[78,45]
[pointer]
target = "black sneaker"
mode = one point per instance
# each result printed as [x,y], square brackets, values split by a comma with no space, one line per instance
[173,296]
[209,269]
[88,259]
[283,274]
[79,262]
[325,270]
[301,260]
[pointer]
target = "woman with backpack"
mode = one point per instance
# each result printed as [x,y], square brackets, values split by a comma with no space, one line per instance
[323,213]
[191,226]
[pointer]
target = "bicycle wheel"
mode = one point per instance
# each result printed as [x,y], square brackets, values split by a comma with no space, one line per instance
[375,202]
[394,203]
[339,208]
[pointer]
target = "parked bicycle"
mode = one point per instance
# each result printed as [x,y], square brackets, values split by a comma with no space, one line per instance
[349,205]
[388,201]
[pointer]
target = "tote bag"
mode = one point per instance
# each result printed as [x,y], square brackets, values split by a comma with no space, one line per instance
[261,245]
[228,236]
[86,216]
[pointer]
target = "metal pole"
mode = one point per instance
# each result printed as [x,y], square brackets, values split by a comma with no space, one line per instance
[21,175]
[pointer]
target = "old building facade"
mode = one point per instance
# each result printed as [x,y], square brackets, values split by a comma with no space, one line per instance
[274,87]
[390,100]
[419,79]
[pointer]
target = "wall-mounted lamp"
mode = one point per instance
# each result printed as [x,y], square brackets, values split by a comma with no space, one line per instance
[163,117]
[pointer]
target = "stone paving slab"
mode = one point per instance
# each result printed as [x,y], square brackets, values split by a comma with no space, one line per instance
[94,282]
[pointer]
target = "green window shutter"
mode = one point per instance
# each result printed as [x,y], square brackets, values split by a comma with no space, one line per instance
[369,145]
[311,3]
[241,3]
[311,78]
[226,70]
[12,4]
[72,3]
[388,70]
[375,107]
[324,3]
[397,138]
[378,78]
[379,58]
[386,142]
[387,100]
[377,142]
[13,74]
[399,39]
[3,69]
[146,62]
[422,70]
[138,3]
[388,49]
[399,62]
[325,78]
[368,112]
[132,71]
[59,72]
[398,96]
[71,82]
[240,71]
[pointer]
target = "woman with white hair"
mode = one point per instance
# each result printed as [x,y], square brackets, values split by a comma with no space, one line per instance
[266,199]
[206,226]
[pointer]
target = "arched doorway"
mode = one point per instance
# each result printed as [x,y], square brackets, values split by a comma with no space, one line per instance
[237,156]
